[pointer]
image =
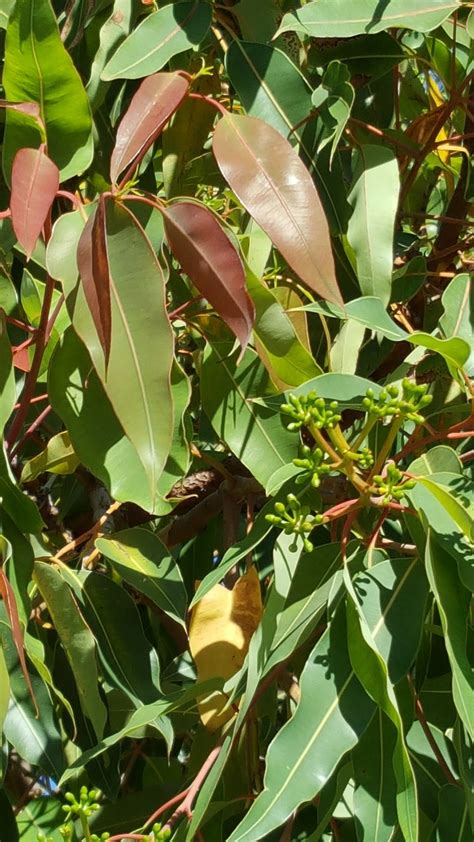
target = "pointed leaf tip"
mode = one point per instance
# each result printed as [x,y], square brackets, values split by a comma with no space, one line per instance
[93,264]
[273,184]
[208,257]
[151,107]
[35,182]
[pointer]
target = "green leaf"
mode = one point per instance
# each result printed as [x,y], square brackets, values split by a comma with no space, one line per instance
[345,349]
[458,317]
[77,640]
[395,591]
[444,487]
[453,602]
[99,441]
[145,716]
[37,740]
[126,654]
[371,669]
[286,356]
[159,37]
[7,377]
[137,377]
[41,815]
[58,457]
[269,85]
[143,561]
[374,198]
[21,508]
[375,808]
[334,99]
[331,18]
[255,434]
[39,69]
[453,823]
[333,713]
[348,389]
[112,33]
[4,690]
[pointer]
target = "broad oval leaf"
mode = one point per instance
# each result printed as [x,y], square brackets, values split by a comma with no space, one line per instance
[93,264]
[155,101]
[162,35]
[213,264]
[35,182]
[273,184]
[39,69]
[334,19]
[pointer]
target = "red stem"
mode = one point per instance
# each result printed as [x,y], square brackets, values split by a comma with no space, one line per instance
[31,429]
[420,715]
[175,800]
[32,375]
[210,101]
[185,808]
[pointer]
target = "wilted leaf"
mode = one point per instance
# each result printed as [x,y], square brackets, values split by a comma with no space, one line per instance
[35,181]
[151,107]
[212,262]
[222,623]
[273,184]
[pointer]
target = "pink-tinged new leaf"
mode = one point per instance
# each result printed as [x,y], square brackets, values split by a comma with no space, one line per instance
[213,264]
[155,101]
[93,264]
[30,108]
[35,182]
[273,184]
[8,596]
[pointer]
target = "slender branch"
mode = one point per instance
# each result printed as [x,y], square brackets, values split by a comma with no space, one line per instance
[81,539]
[31,429]
[185,808]
[164,807]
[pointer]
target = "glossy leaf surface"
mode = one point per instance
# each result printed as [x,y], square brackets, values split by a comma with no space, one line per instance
[35,181]
[275,187]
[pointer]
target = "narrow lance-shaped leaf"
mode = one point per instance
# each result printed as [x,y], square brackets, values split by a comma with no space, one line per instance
[335,19]
[93,264]
[151,107]
[159,37]
[35,182]
[213,264]
[8,596]
[7,378]
[273,184]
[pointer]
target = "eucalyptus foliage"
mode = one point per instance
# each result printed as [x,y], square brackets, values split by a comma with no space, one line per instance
[236,404]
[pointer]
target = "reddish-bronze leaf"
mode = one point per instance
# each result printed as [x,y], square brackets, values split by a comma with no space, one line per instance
[155,101]
[213,264]
[8,596]
[35,182]
[273,184]
[93,265]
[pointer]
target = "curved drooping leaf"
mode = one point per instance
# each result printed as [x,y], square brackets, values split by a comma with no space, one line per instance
[151,107]
[35,181]
[334,19]
[143,561]
[77,639]
[58,457]
[273,184]
[39,69]
[332,715]
[374,199]
[211,261]
[137,377]
[94,271]
[159,37]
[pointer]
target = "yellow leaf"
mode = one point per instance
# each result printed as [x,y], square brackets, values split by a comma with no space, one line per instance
[222,624]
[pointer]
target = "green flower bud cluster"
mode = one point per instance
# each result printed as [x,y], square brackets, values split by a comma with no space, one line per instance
[396,403]
[364,458]
[392,486]
[160,835]
[309,409]
[313,463]
[87,804]
[293,519]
